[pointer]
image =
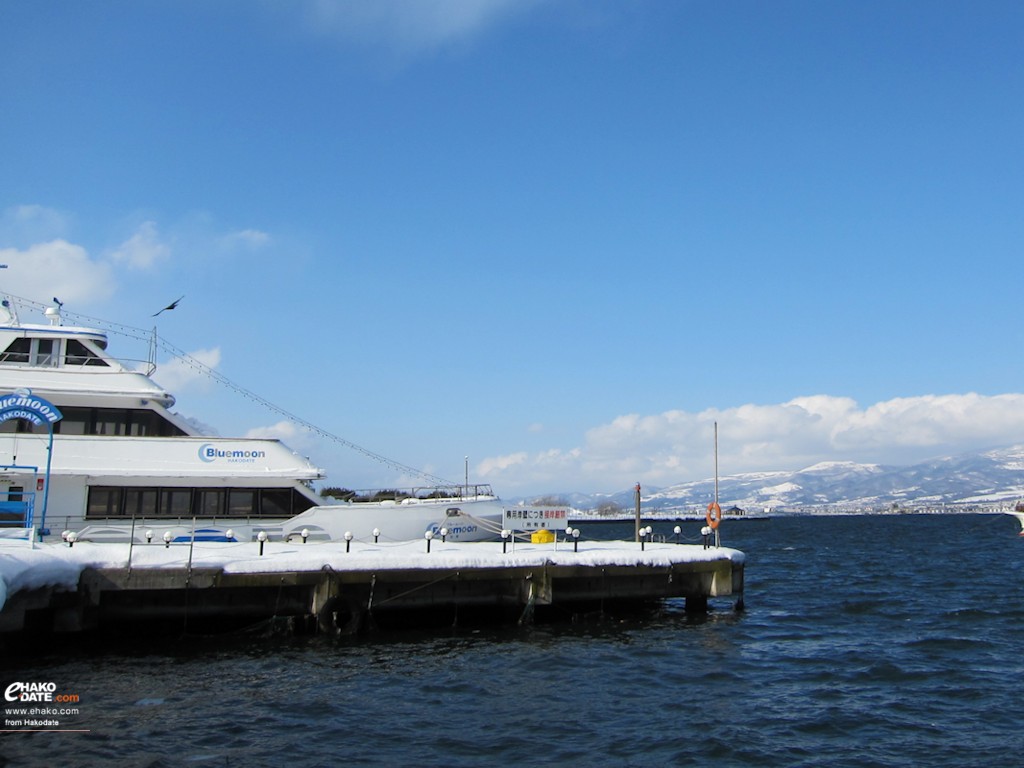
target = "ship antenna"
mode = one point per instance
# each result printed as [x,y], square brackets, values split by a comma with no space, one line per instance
[9,305]
[151,361]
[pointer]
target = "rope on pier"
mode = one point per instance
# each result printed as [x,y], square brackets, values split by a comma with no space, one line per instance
[452,575]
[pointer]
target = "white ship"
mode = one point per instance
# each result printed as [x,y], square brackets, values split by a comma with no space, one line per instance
[89,446]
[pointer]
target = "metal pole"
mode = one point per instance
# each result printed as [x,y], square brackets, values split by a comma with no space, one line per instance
[46,487]
[716,462]
[637,499]
[718,541]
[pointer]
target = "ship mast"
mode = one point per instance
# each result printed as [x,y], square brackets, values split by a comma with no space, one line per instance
[718,540]
[716,462]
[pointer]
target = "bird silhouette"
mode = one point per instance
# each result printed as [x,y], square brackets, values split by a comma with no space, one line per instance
[172,305]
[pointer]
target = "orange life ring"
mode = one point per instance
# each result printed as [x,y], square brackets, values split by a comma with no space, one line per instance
[714,521]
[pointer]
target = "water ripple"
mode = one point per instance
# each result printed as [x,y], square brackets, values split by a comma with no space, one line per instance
[866,641]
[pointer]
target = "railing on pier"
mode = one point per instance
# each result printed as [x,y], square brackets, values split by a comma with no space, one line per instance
[421,493]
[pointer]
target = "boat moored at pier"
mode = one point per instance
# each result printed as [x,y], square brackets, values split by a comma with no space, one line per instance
[95,449]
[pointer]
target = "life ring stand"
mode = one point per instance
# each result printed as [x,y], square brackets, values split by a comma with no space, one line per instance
[714,520]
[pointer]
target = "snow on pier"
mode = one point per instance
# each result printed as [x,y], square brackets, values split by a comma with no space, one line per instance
[63,588]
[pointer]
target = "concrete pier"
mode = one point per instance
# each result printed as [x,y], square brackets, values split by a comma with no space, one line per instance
[335,588]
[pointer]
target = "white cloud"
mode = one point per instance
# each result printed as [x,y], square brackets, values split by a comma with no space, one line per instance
[245,238]
[288,432]
[143,250]
[25,224]
[57,268]
[501,463]
[677,446]
[175,374]
[410,26]
[279,431]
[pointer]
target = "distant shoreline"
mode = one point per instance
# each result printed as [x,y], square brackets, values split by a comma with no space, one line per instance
[667,517]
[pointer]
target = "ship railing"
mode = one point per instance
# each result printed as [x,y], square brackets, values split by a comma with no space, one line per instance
[157,524]
[420,493]
[133,365]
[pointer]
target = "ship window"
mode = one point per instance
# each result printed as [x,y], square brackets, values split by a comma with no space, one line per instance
[241,503]
[209,503]
[76,421]
[137,423]
[140,502]
[176,502]
[17,352]
[44,352]
[70,425]
[79,354]
[112,421]
[22,426]
[150,424]
[104,501]
[108,422]
[276,503]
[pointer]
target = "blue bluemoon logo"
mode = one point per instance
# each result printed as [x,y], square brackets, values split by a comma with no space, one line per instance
[209,452]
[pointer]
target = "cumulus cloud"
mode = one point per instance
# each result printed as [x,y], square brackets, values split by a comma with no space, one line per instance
[25,224]
[287,432]
[409,26]
[246,238]
[176,374]
[57,268]
[143,250]
[32,244]
[677,446]
[279,431]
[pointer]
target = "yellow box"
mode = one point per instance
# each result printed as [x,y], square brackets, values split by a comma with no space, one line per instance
[543,536]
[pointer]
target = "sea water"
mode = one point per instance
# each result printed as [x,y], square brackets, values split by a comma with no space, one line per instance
[889,640]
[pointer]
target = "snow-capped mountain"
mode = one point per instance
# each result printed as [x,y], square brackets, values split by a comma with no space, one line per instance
[992,478]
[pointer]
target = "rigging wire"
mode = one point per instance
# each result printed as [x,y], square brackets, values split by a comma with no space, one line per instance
[151,337]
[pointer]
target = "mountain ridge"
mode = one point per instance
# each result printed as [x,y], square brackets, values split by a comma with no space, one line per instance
[989,478]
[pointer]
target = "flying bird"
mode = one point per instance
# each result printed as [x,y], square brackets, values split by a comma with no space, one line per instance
[172,305]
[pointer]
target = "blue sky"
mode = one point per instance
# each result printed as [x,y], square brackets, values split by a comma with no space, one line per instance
[561,238]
